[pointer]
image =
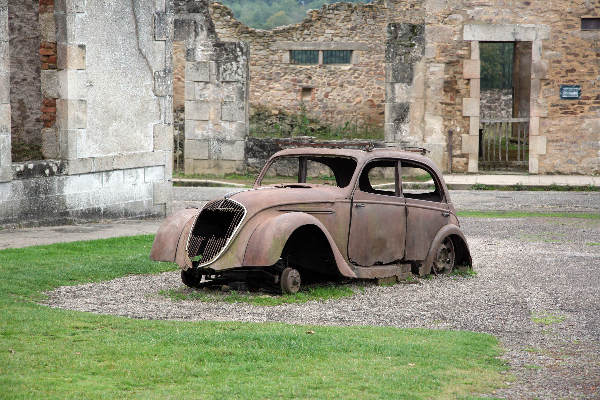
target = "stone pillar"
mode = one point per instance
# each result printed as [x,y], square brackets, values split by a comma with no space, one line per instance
[5,143]
[71,105]
[404,83]
[216,105]
[471,107]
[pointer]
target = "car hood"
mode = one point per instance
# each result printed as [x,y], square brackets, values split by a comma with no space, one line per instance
[255,200]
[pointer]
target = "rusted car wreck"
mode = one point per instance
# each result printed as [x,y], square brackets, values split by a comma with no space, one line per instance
[336,212]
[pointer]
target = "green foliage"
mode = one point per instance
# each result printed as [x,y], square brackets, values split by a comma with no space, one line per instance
[48,353]
[547,318]
[265,123]
[496,65]
[268,14]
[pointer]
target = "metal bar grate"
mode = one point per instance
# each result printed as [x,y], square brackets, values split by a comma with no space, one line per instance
[504,143]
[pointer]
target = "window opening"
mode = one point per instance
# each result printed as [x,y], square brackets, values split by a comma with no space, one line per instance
[504,107]
[306,94]
[337,56]
[590,24]
[418,183]
[304,57]
[328,170]
[379,177]
[179,97]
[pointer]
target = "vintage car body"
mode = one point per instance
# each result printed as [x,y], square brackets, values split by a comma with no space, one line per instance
[353,229]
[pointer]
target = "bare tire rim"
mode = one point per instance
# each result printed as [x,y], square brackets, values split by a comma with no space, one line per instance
[444,261]
[290,280]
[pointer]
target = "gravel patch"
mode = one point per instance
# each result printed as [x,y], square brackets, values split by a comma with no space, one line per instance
[525,268]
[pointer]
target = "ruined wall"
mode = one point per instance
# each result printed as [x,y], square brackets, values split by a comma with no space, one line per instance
[113,130]
[561,54]
[25,93]
[338,94]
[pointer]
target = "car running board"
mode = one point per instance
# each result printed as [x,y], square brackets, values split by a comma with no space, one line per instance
[402,271]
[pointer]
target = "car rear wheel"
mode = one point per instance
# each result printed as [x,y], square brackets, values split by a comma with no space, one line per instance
[191,277]
[444,258]
[290,280]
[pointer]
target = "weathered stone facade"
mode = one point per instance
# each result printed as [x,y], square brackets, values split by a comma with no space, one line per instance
[439,106]
[112,135]
[338,93]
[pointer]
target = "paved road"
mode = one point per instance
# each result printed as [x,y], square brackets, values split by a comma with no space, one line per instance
[183,197]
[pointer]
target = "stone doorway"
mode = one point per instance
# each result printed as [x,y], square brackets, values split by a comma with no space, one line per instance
[526,86]
[504,106]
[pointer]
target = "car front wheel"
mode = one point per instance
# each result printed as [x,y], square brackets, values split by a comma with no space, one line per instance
[444,258]
[191,277]
[290,280]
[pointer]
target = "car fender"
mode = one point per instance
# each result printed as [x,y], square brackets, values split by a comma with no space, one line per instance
[269,238]
[170,240]
[461,249]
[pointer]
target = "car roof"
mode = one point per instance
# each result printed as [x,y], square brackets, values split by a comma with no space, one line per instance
[361,156]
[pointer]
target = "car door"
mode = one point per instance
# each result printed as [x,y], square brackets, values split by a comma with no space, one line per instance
[427,209]
[378,216]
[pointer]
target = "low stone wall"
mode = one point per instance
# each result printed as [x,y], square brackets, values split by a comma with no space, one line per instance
[41,193]
[259,150]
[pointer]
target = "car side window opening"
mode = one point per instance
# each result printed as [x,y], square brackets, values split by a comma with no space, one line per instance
[379,177]
[322,170]
[418,183]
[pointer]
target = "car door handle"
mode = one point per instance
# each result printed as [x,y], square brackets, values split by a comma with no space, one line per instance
[359,205]
[445,214]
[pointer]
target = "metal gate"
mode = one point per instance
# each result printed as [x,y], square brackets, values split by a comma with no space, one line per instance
[504,144]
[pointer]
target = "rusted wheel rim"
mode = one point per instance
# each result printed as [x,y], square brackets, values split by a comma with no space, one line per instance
[290,280]
[444,261]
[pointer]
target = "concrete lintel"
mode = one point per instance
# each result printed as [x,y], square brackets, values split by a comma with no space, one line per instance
[288,45]
[506,32]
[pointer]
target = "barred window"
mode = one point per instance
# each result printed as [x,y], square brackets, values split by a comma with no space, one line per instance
[337,56]
[304,57]
[590,24]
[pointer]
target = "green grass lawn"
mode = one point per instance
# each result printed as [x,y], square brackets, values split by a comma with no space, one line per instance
[51,353]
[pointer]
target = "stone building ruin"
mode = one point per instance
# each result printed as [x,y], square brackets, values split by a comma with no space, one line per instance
[89,87]
[414,65]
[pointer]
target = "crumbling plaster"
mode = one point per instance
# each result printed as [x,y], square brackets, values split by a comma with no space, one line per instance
[113,122]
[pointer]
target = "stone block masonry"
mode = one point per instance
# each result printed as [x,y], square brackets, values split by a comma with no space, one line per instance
[351,93]
[105,106]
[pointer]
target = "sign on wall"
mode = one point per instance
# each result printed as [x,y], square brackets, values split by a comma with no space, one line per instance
[570,92]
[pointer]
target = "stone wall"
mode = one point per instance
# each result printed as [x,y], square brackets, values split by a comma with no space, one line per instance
[259,150]
[113,129]
[496,103]
[337,94]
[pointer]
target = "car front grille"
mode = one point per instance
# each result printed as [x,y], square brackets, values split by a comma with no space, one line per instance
[215,226]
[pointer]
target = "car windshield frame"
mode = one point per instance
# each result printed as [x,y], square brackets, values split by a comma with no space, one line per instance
[303,158]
